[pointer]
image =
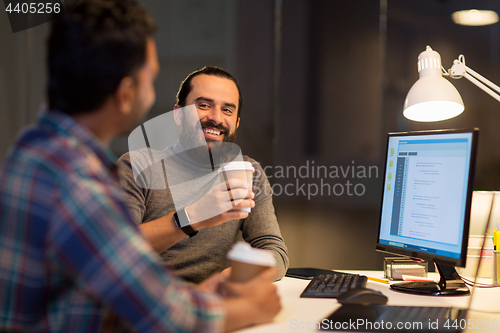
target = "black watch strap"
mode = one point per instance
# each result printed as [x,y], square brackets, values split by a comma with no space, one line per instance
[181,218]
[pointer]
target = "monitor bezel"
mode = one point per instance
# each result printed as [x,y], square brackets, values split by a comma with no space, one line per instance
[459,262]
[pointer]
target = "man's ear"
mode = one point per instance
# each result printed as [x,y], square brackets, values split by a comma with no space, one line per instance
[125,94]
[178,114]
[238,122]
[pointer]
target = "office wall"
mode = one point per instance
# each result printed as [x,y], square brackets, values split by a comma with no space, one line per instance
[361,68]
[331,117]
[22,79]
[326,97]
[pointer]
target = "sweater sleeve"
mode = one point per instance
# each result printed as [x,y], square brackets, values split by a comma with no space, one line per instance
[261,228]
[136,195]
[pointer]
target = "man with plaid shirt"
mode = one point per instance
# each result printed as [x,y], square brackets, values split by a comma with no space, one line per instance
[71,257]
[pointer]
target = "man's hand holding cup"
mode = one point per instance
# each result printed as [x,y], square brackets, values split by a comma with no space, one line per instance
[232,199]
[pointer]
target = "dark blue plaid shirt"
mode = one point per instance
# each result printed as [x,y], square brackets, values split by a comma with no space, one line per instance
[71,258]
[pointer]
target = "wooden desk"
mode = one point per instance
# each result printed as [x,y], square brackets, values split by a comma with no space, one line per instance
[300,314]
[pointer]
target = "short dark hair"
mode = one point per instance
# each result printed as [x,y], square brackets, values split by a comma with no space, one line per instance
[91,48]
[186,86]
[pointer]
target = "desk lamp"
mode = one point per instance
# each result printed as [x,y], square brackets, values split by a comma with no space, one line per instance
[432,97]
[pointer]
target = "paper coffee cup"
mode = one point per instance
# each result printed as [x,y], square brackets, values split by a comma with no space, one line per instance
[240,170]
[247,262]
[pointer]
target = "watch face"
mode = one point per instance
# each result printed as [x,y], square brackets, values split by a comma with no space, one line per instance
[182,218]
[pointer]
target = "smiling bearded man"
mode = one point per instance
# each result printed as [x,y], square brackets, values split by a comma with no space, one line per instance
[208,112]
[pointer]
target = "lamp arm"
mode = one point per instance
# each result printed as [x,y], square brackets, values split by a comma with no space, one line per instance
[484,87]
[459,70]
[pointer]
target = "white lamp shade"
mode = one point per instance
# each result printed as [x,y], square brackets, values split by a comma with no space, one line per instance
[432,98]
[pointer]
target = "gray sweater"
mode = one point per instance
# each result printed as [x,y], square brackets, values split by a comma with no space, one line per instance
[149,197]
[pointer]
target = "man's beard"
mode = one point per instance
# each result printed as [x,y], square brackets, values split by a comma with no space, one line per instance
[204,151]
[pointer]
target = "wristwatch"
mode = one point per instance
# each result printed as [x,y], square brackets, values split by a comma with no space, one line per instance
[182,222]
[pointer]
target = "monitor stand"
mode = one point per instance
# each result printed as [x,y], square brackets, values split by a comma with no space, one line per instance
[450,284]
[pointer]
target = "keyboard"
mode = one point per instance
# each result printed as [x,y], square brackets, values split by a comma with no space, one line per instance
[421,314]
[332,285]
[380,318]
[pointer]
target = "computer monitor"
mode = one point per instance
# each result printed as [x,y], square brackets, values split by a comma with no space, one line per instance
[426,202]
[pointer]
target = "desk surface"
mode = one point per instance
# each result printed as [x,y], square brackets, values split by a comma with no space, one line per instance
[300,314]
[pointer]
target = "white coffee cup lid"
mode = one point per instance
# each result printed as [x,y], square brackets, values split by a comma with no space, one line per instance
[244,252]
[237,165]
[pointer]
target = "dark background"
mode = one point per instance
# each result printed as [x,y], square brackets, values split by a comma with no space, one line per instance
[323,81]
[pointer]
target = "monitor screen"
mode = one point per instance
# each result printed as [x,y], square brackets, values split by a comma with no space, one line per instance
[427,195]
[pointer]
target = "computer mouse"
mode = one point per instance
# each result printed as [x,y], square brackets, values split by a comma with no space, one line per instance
[362,296]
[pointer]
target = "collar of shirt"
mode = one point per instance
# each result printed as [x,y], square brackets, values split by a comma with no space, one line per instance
[66,126]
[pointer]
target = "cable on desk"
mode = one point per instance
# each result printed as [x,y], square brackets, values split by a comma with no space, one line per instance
[477,284]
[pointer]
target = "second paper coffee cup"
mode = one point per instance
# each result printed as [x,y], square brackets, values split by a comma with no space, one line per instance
[247,262]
